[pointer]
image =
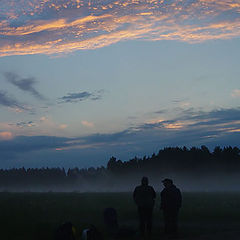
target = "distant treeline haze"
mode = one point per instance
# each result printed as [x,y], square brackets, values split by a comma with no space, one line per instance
[192,169]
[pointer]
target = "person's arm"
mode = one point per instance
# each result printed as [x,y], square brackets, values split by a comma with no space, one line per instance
[179,199]
[154,193]
[162,201]
[134,194]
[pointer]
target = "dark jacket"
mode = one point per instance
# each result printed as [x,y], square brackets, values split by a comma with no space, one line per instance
[171,198]
[144,196]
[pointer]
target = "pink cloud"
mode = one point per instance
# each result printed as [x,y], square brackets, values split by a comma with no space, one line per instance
[6,135]
[87,124]
[236,93]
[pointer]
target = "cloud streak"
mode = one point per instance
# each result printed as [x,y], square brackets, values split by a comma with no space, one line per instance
[191,128]
[23,124]
[81,96]
[25,84]
[7,101]
[52,27]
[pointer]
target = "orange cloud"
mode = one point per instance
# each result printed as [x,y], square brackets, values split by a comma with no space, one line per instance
[84,146]
[63,126]
[154,121]
[78,24]
[6,135]
[234,130]
[173,126]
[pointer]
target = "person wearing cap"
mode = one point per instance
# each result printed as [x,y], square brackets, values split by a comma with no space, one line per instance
[171,201]
[144,197]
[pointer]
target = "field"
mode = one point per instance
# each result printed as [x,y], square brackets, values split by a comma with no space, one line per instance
[31,216]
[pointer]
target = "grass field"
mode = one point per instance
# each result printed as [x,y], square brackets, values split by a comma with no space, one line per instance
[31,216]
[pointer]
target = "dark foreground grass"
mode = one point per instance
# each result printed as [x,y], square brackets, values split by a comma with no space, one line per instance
[31,216]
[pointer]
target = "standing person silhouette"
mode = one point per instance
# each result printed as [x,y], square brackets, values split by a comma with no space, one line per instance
[144,197]
[171,201]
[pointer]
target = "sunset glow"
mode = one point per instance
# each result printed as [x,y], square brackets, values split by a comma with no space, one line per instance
[84,80]
[25,29]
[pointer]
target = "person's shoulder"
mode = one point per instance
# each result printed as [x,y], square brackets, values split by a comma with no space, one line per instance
[138,187]
[176,188]
[151,187]
[164,191]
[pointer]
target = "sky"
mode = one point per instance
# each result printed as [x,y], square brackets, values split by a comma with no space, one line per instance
[82,81]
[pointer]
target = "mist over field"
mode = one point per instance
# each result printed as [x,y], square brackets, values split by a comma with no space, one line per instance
[194,169]
[127,183]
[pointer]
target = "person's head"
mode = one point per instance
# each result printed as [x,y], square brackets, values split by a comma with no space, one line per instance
[144,181]
[167,182]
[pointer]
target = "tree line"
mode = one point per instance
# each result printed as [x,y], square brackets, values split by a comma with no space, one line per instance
[178,161]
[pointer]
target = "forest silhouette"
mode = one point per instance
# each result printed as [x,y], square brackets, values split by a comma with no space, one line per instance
[177,162]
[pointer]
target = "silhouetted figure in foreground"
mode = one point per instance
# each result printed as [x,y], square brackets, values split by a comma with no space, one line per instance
[144,197]
[113,229]
[111,221]
[171,201]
